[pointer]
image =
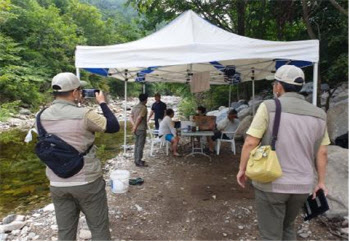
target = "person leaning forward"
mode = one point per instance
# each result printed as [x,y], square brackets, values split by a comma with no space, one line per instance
[302,139]
[230,124]
[139,129]
[85,191]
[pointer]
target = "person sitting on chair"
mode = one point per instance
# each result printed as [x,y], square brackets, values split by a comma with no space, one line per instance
[166,128]
[201,111]
[228,124]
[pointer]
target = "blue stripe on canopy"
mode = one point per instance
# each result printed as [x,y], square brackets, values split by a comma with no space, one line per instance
[99,71]
[300,64]
[141,75]
[217,65]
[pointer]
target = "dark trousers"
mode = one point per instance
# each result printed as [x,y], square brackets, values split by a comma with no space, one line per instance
[217,135]
[90,199]
[156,123]
[140,140]
[277,213]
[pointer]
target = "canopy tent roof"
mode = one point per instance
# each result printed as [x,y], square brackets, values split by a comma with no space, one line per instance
[191,44]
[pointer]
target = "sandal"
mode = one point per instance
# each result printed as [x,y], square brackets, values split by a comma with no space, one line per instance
[176,154]
[137,181]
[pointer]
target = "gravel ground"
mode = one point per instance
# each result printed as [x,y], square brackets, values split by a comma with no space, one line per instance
[181,199]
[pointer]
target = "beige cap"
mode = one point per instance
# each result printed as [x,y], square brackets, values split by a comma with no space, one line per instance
[66,81]
[290,74]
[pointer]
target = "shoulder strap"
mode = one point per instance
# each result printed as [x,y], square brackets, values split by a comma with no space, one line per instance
[276,124]
[88,150]
[43,132]
[41,129]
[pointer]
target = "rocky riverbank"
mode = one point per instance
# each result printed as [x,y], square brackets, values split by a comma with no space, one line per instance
[25,118]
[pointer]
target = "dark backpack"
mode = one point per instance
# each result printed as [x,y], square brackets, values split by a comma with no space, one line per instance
[62,158]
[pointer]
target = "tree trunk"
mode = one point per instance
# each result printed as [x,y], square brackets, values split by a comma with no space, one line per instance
[261,20]
[241,16]
[306,20]
[337,6]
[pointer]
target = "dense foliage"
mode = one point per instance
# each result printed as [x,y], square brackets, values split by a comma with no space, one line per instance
[38,39]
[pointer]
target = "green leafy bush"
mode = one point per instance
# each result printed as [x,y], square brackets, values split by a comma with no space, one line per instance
[7,108]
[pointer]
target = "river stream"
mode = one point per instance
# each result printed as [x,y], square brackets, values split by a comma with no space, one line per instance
[23,183]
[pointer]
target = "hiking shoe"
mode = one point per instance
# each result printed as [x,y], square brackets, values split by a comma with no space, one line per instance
[141,164]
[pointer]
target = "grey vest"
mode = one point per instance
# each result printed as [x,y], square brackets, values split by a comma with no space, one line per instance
[302,128]
[66,120]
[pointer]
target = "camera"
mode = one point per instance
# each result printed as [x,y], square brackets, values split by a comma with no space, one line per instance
[90,93]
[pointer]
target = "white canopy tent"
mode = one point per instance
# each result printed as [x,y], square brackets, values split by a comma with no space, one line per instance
[190,44]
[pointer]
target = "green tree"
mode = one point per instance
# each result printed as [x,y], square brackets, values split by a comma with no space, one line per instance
[49,40]
[326,20]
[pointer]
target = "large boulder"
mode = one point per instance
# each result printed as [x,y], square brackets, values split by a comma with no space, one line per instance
[337,178]
[241,107]
[220,114]
[244,126]
[25,111]
[9,219]
[255,103]
[337,120]
[341,97]
[244,113]
[308,87]
[236,105]
[11,226]
[255,99]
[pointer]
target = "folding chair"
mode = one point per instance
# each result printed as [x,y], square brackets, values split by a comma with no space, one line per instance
[221,139]
[154,139]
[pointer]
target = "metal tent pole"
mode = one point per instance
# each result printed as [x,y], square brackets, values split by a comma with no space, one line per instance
[143,87]
[314,90]
[253,87]
[229,97]
[78,73]
[126,96]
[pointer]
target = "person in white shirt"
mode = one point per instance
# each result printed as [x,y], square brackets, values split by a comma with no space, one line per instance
[167,129]
[229,124]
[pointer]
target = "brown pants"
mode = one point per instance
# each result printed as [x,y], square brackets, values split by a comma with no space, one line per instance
[91,199]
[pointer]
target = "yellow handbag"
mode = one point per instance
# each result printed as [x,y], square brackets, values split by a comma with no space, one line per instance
[263,165]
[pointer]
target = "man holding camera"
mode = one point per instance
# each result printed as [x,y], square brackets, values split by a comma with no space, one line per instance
[84,191]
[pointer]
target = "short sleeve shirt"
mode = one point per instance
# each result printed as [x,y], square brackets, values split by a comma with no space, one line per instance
[140,110]
[260,123]
[158,109]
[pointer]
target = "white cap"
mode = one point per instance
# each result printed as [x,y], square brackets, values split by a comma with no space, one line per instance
[290,74]
[66,81]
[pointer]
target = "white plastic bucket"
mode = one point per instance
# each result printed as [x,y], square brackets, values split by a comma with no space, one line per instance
[120,181]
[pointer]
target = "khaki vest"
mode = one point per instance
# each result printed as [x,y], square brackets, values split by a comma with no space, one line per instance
[66,120]
[301,131]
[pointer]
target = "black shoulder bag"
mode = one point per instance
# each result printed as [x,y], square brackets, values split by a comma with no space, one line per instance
[62,158]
